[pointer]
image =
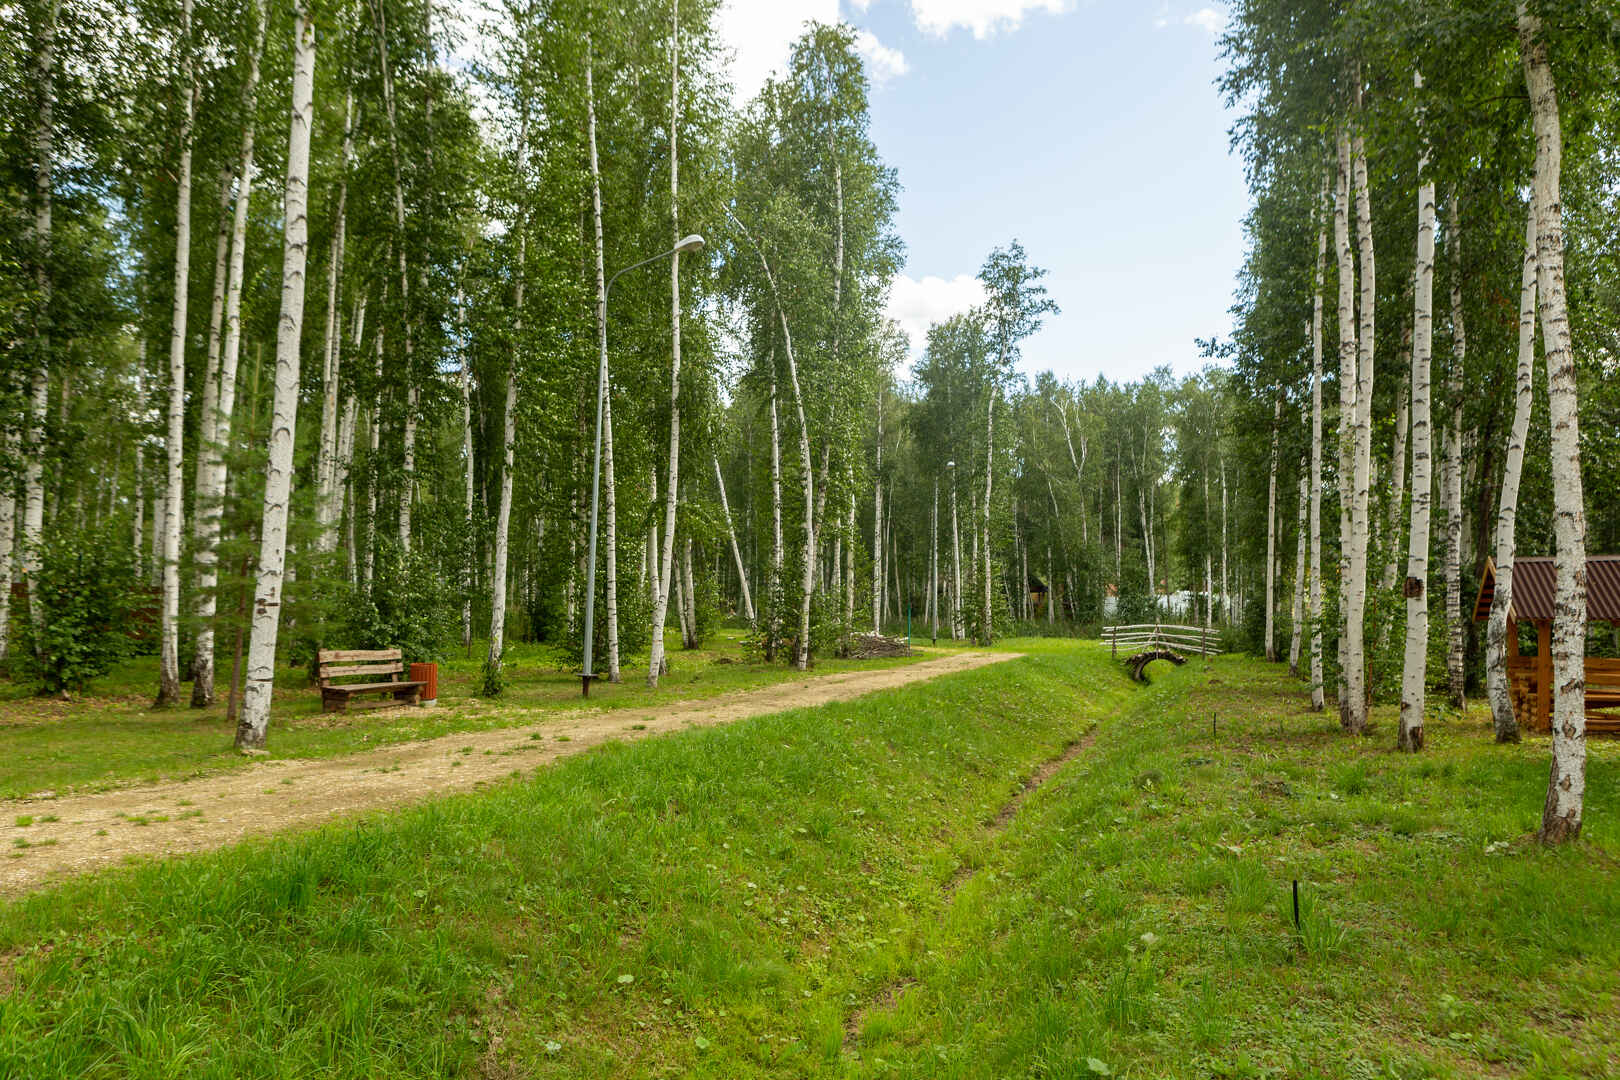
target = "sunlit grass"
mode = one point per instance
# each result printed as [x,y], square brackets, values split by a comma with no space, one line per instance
[819,894]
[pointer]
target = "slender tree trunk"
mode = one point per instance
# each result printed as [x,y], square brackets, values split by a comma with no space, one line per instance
[933,564]
[731,538]
[212,467]
[1317,698]
[956,568]
[1414,672]
[1397,488]
[1297,613]
[1361,524]
[1347,405]
[775,591]
[1566,783]
[326,487]
[688,596]
[610,530]
[877,527]
[208,413]
[665,561]
[1226,596]
[407,330]
[373,465]
[261,662]
[1271,535]
[987,621]
[469,476]
[1498,648]
[8,524]
[1451,470]
[503,515]
[849,551]
[169,657]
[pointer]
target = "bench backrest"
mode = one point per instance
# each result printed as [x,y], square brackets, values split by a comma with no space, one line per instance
[369,665]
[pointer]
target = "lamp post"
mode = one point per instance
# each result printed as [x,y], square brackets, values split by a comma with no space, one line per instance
[693,242]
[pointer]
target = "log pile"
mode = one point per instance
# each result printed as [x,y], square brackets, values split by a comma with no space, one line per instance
[875,646]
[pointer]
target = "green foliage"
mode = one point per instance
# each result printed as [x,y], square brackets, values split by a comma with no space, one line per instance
[406,607]
[83,610]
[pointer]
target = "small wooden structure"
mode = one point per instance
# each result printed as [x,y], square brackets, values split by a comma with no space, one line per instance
[1147,636]
[367,664]
[1530,677]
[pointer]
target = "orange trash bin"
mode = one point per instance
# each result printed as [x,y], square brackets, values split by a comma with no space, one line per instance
[428,676]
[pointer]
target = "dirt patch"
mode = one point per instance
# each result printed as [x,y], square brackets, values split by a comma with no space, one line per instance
[1032,782]
[99,830]
[884,999]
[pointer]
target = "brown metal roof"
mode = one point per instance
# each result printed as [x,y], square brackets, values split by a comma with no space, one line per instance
[1534,583]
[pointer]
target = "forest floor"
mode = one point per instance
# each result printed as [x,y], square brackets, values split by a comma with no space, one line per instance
[1034,868]
[68,834]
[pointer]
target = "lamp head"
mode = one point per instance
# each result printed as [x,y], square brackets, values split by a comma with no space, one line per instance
[950,464]
[694,242]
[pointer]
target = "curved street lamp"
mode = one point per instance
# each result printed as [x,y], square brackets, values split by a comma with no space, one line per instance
[693,242]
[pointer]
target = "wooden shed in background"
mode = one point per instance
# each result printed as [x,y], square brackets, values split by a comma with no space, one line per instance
[1530,677]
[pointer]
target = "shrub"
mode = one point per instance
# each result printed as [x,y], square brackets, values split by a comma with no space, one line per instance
[406,607]
[81,606]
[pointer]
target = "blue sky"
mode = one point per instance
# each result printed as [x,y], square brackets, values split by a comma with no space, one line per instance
[1090,131]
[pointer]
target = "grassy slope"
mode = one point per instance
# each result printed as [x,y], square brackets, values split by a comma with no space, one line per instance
[115,736]
[825,892]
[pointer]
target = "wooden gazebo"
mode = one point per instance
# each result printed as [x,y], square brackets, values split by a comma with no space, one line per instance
[1530,677]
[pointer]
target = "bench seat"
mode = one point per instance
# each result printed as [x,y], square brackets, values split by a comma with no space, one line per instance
[364,663]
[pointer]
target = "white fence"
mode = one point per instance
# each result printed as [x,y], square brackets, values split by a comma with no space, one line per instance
[1202,640]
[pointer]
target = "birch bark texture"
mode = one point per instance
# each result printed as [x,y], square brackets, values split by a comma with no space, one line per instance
[1451,467]
[1347,402]
[665,562]
[605,390]
[169,649]
[213,472]
[254,722]
[1497,646]
[1414,669]
[1361,518]
[1566,782]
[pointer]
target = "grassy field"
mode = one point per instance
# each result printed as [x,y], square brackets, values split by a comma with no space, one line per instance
[114,735]
[869,889]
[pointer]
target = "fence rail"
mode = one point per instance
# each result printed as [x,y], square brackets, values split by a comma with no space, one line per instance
[1200,639]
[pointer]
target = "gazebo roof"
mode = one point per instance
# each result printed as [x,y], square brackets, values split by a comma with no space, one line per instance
[1534,585]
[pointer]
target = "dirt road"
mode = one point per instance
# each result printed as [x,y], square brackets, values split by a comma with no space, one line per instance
[95,831]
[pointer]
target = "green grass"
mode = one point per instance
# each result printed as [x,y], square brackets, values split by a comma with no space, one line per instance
[828,892]
[114,735]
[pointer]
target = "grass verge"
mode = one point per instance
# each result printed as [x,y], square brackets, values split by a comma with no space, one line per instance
[837,892]
[114,736]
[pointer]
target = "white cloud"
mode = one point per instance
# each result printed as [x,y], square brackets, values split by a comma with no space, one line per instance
[762,32]
[882,62]
[982,17]
[917,305]
[1207,19]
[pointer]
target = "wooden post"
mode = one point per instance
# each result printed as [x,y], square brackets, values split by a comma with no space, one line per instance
[1544,676]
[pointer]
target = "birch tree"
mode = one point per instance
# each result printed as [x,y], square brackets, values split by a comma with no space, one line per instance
[253,724]
[169,650]
[1451,467]
[1414,671]
[1566,783]
[1498,647]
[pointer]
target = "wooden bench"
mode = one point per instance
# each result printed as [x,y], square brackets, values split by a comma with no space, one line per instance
[367,664]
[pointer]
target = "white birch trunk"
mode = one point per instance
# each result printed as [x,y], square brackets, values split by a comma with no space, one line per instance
[33,516]
[1297,612]
[373,467]
[1397,488]
[469,479]
[408,479]
[1566,782]
[1497,645]
[1347,404]
[1452,467]
[1414,671]
[8,525]
[169,655]
[731,538]
[933,564]
[1361,516]
[956,568]
[1226,596]
[261,661]
[219,401]
[688,596]
[326,486]
[877,527]
[1318,701]
[610,530]
[208,413]
[1271,536]
[986,615]
[664,562]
